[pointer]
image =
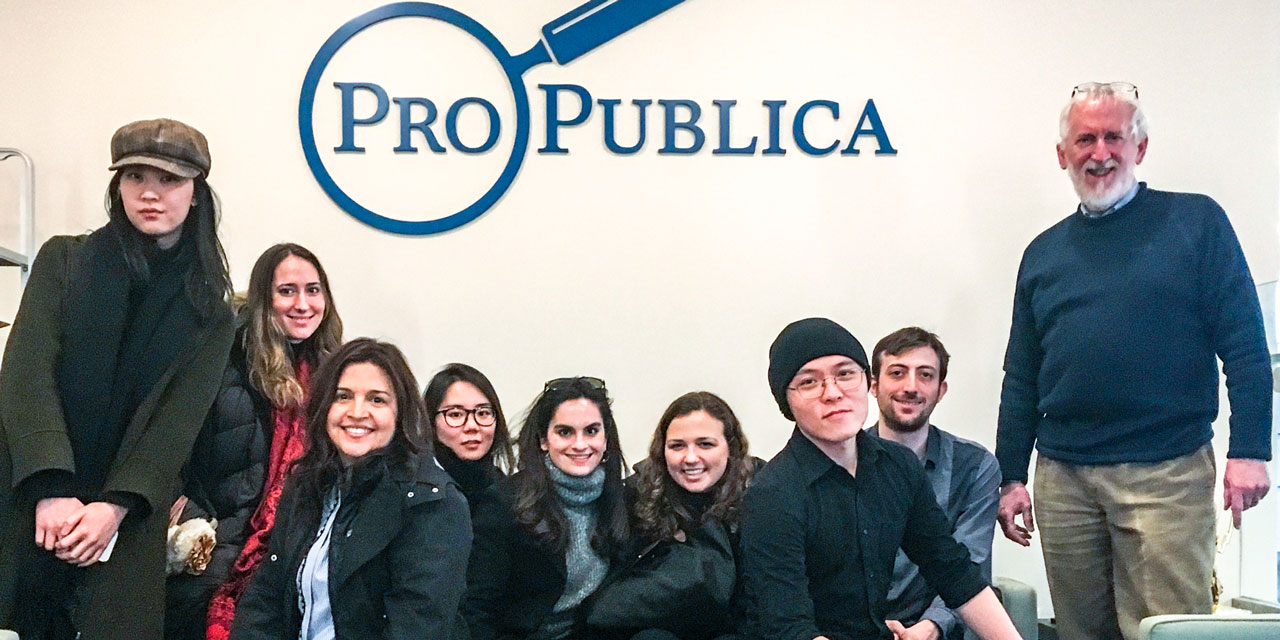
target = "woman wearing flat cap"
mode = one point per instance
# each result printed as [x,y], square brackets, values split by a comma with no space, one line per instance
[111,365]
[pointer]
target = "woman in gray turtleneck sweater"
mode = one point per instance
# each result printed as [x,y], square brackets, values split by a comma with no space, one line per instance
[546,538]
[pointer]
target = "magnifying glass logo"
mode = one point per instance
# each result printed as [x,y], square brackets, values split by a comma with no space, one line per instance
[564,39]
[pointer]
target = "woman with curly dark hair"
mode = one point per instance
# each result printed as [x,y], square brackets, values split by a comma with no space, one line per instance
[686,497]
[547,538]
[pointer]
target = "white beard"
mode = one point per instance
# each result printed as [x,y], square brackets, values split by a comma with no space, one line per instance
[1102,198]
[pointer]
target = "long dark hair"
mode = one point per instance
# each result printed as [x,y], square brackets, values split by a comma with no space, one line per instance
[659,511]
[500,452]
[537,506]
[266,346]
[208,279]
[320,467]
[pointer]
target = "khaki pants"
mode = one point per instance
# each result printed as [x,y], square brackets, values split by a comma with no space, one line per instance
[1125,541]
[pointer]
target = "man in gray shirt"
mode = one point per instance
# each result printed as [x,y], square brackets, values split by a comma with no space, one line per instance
[909,369]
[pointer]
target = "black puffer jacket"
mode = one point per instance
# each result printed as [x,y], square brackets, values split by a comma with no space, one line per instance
[224,479]
[689,587]
[683,586]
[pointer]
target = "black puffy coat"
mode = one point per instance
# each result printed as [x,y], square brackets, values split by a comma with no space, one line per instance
[685,587]
[689,587]
[397,559]
[224,480]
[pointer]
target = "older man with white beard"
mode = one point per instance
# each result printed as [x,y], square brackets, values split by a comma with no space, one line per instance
[1120,314]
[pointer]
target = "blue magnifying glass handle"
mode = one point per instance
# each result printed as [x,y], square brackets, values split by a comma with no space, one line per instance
[587,27]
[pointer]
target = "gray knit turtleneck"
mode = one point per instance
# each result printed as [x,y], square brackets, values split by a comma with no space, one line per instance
[584,568]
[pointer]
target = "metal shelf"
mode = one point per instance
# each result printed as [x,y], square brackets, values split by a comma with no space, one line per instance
[11,258]
[22,257]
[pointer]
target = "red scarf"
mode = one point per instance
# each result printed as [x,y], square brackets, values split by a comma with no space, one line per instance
[288,440]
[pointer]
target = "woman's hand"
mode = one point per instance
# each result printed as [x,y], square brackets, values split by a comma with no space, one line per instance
[87,532]
[51,515]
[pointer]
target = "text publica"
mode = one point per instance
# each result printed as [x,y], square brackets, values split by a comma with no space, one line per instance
[421,115]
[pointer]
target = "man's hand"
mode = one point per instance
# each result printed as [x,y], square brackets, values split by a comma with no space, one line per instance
[86,534]
[1015,501]
[1244,483]
[51,515]
[923,630]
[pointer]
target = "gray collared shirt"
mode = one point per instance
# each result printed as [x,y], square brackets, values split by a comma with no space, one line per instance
[1124,199]
[966,480]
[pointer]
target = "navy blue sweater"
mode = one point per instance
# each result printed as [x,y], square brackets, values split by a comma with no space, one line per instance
[1118,322]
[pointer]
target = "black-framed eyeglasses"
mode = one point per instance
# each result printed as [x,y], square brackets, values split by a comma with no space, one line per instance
[812,386]
[484,415]
[1105,87]
[560,383]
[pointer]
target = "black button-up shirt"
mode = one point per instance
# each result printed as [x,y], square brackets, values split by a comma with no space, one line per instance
[818,544]
[966,480]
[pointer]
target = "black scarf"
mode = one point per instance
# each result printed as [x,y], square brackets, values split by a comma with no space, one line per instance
[119,335]
[472,476]
[696,503]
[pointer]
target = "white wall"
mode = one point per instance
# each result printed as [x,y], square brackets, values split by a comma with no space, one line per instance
[664,274]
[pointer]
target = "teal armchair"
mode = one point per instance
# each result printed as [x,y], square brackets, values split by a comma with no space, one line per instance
[1211,627]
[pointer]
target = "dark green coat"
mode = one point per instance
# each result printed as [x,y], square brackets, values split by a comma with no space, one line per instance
[123,597]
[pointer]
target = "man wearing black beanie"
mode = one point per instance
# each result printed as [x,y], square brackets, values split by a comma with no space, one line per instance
[824,519]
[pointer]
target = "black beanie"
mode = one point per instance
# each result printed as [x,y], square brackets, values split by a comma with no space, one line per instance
[802,341]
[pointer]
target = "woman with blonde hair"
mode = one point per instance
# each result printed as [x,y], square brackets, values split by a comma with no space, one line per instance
[256,429]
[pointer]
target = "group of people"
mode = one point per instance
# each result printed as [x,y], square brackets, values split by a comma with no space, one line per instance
[348,504]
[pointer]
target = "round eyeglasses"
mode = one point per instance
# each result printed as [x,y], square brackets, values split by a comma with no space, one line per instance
[810,386]
[484,415]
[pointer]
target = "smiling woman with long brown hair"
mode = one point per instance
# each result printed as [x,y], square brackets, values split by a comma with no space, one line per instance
[372,536]
[256,428]
[547,537]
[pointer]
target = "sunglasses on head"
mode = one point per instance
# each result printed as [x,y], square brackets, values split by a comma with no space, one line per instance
[561,383]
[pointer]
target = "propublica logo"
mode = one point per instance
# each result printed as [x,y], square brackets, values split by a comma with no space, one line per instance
[411,131]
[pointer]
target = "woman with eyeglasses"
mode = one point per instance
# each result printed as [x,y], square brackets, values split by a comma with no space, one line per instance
[110,368]
[472,442]
[548,536]
[371,536]
[681,581]
[254,431]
